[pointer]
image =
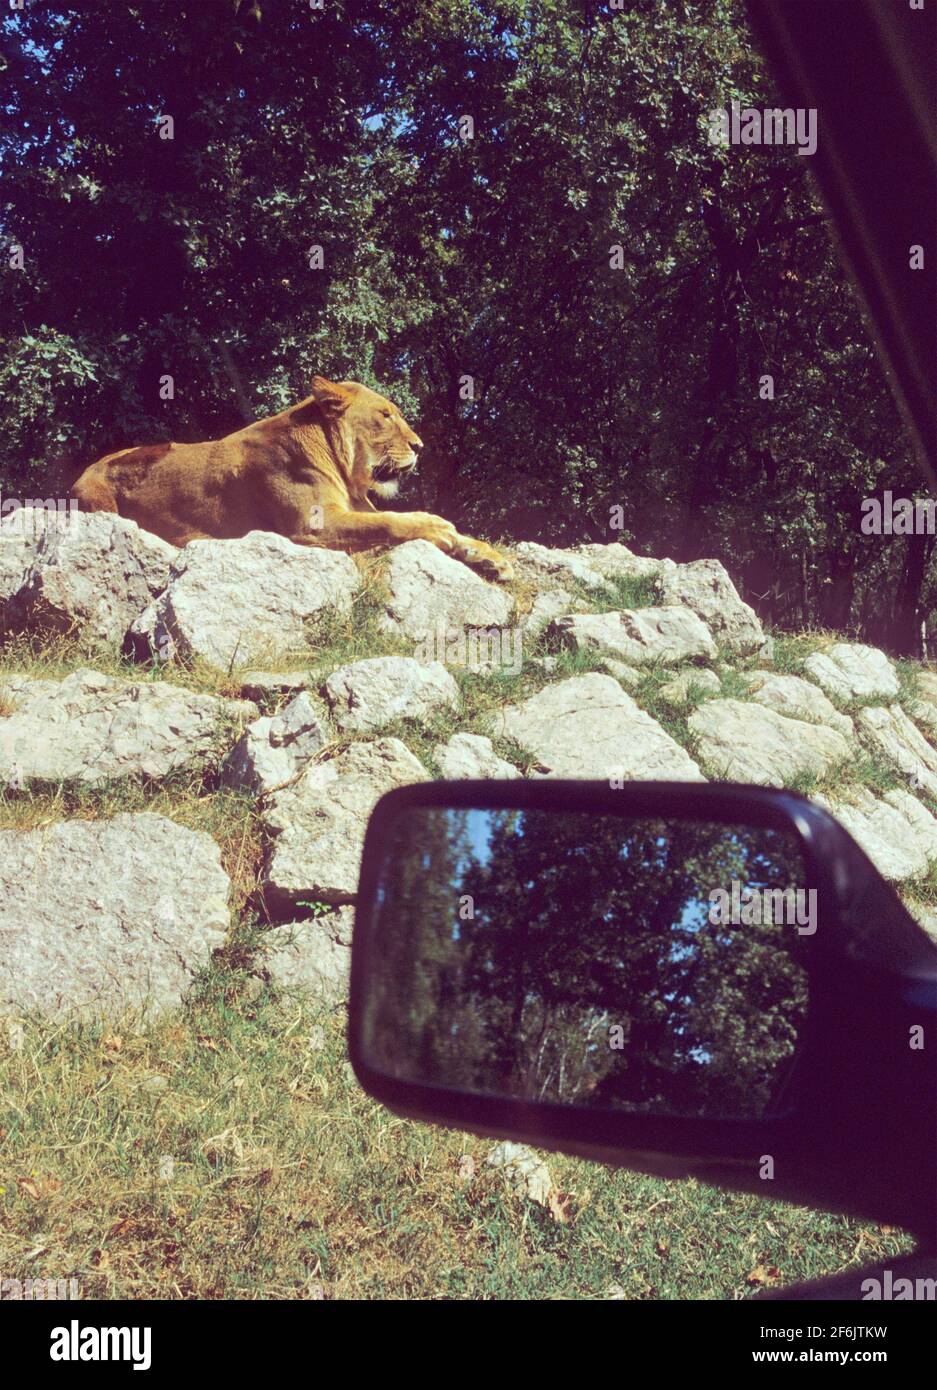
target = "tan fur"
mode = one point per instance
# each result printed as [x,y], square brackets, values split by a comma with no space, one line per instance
[305,473]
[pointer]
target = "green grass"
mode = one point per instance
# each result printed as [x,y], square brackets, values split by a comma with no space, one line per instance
[735,684]
[625,592]
[225,1151]
[923,889]
[791,651]
[228,1153]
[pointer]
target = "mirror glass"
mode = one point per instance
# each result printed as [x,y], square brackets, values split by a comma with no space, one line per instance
[643,965]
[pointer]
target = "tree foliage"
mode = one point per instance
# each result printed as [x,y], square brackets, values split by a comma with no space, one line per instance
[446,258]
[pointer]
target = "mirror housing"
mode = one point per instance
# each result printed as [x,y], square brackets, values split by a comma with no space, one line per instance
[858,1080]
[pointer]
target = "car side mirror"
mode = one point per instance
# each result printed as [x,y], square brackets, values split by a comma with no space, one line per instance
[707,980]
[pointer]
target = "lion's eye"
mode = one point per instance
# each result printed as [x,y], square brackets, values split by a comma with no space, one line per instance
[386,414]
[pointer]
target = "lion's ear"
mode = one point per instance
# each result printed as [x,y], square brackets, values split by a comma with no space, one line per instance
[332,397]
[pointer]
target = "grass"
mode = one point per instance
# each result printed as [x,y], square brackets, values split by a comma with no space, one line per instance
[225,1151]
[924,889]
[791,651]
[229,1153]
[624,592]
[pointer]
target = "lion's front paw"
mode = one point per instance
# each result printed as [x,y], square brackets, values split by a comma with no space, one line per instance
[484,558]
[435,529]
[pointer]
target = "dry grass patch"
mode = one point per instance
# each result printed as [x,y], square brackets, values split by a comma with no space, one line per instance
[227,1152]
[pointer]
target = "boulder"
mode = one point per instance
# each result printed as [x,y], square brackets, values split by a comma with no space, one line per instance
[467,756]
[798,699]
[317,825]
[311,957]
[20,533]
[93,728]
[429,592]
[94,574]
[640,636]
[368,694]
[97,916]
[743,742]
[616,561]
[587,726]
[546,605]
[705,587]
[526,1171]
[897,833]
[540,562]
[274,749]
[890,733]
[236,601]
[852,671]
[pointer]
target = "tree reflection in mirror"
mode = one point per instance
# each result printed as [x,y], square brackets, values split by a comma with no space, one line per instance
[640,965]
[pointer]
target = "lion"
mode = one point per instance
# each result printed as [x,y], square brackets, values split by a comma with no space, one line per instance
[306,473]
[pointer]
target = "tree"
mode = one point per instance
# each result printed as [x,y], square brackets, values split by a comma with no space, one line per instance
[584,932]
[526,237]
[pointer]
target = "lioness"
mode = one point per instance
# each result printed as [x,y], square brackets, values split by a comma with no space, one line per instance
[305,473]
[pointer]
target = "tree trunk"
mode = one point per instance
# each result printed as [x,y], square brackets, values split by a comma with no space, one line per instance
[907,614]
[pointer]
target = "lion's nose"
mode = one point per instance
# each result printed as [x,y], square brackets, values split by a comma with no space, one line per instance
[416,442]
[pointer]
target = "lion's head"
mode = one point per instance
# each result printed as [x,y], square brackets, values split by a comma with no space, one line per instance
[383,444]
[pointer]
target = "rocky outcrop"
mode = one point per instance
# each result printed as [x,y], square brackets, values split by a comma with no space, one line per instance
[92,728]
[643,636]
[705,587]
[742,742]
[145,899]
[317,825]
[368,694]
[98,916]
[429,592]
[588,727]
[231,603]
